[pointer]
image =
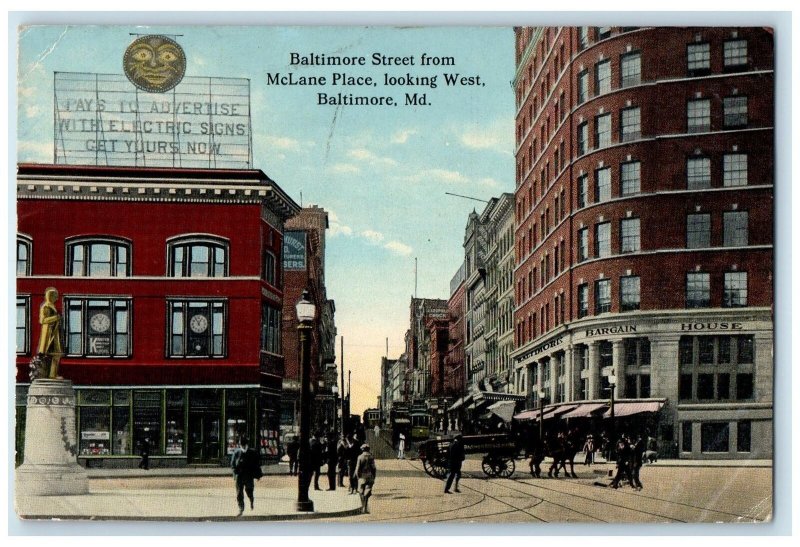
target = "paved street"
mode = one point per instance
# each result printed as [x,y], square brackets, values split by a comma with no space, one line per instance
[403,493]
[671,494]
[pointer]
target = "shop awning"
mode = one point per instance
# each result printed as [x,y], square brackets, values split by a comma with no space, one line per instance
[633,407]
[456,405]
[563,409]
[534,414]
[503,409]
[527,415]
[584,410]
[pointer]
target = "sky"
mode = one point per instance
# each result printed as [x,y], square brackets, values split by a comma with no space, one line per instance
[381,172]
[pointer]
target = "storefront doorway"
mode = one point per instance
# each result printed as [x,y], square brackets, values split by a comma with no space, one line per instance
[204,437]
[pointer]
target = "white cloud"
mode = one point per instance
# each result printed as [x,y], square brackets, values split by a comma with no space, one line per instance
[497,136]
[281,143]
[344,168]
[445,175]
[402,136]
[488,181]
[362,154]
[34,151]
[335,227]
[398,248]
[372,236]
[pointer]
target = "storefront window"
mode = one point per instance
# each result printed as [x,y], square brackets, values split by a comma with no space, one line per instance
[121,419]
[175,420]
[714,437]
[147,421]
[743,432]
[686,436]
[95,439]
[236,427]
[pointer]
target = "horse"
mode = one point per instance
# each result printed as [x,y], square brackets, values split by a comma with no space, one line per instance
[562,450]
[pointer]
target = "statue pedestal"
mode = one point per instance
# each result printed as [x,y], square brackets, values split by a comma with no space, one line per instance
[51,466]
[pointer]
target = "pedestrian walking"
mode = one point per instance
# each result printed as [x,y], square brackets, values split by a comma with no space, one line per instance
[365,472]
[246,468]
[401,447]
[588,450]
[623,462]
[637,460]
[377,431]
[144,452]
[353,452]
[315,451]
[292,448]
[341,457]
[455,458]
[332,458]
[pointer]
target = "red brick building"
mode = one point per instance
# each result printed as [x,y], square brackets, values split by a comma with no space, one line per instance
[644,227]
[171,311]
[304,266]
[455,375]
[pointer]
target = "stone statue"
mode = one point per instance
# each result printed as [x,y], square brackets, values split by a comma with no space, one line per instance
[49,352]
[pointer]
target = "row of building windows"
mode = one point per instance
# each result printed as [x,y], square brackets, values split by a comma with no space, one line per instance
[630,74]
[120,422]
[734,168]
[697,295]
[715,436]
[108,257]
[102,327]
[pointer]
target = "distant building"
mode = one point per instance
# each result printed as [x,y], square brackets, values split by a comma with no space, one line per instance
[304,269]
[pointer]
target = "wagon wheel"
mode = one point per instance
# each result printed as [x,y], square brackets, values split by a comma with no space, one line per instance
[489,466]
[440,468]
[505,467]
[435,468]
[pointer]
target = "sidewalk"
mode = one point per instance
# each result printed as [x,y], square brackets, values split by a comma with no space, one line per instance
[185,504]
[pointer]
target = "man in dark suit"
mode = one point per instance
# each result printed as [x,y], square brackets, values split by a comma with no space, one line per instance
[455,457]
[316,458]
[246,468]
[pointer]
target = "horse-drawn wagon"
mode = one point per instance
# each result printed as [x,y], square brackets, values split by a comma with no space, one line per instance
[499,451]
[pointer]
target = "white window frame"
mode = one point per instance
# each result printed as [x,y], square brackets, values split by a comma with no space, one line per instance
[179,256]
[630,177]
[82,340]
[734,170]
[80,253]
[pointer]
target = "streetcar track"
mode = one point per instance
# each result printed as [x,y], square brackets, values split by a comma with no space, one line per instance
[543,500]
[430,514]
[654,498]
[494,498]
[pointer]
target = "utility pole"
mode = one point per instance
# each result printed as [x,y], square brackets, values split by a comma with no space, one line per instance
[341,370]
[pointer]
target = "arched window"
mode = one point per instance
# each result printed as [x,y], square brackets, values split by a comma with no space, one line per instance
[198,257]
[99,257]
[24,248]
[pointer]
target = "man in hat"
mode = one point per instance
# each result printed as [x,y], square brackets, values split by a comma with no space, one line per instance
[588,450]
[246,467]
[365,471]
[455,457]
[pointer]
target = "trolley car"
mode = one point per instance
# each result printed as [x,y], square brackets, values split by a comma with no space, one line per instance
[498,461]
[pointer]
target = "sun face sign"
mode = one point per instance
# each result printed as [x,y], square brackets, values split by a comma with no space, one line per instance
[154,63]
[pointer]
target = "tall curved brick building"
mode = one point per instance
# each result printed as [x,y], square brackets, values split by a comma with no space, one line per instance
[644,231]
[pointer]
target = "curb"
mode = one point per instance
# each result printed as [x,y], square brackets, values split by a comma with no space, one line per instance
[253,518]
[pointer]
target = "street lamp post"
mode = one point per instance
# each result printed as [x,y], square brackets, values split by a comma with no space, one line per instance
[306,312]
[612,385]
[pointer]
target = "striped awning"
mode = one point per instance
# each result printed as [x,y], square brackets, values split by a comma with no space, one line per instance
[633,407]
[584,410]
[563,409]
[534,414]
